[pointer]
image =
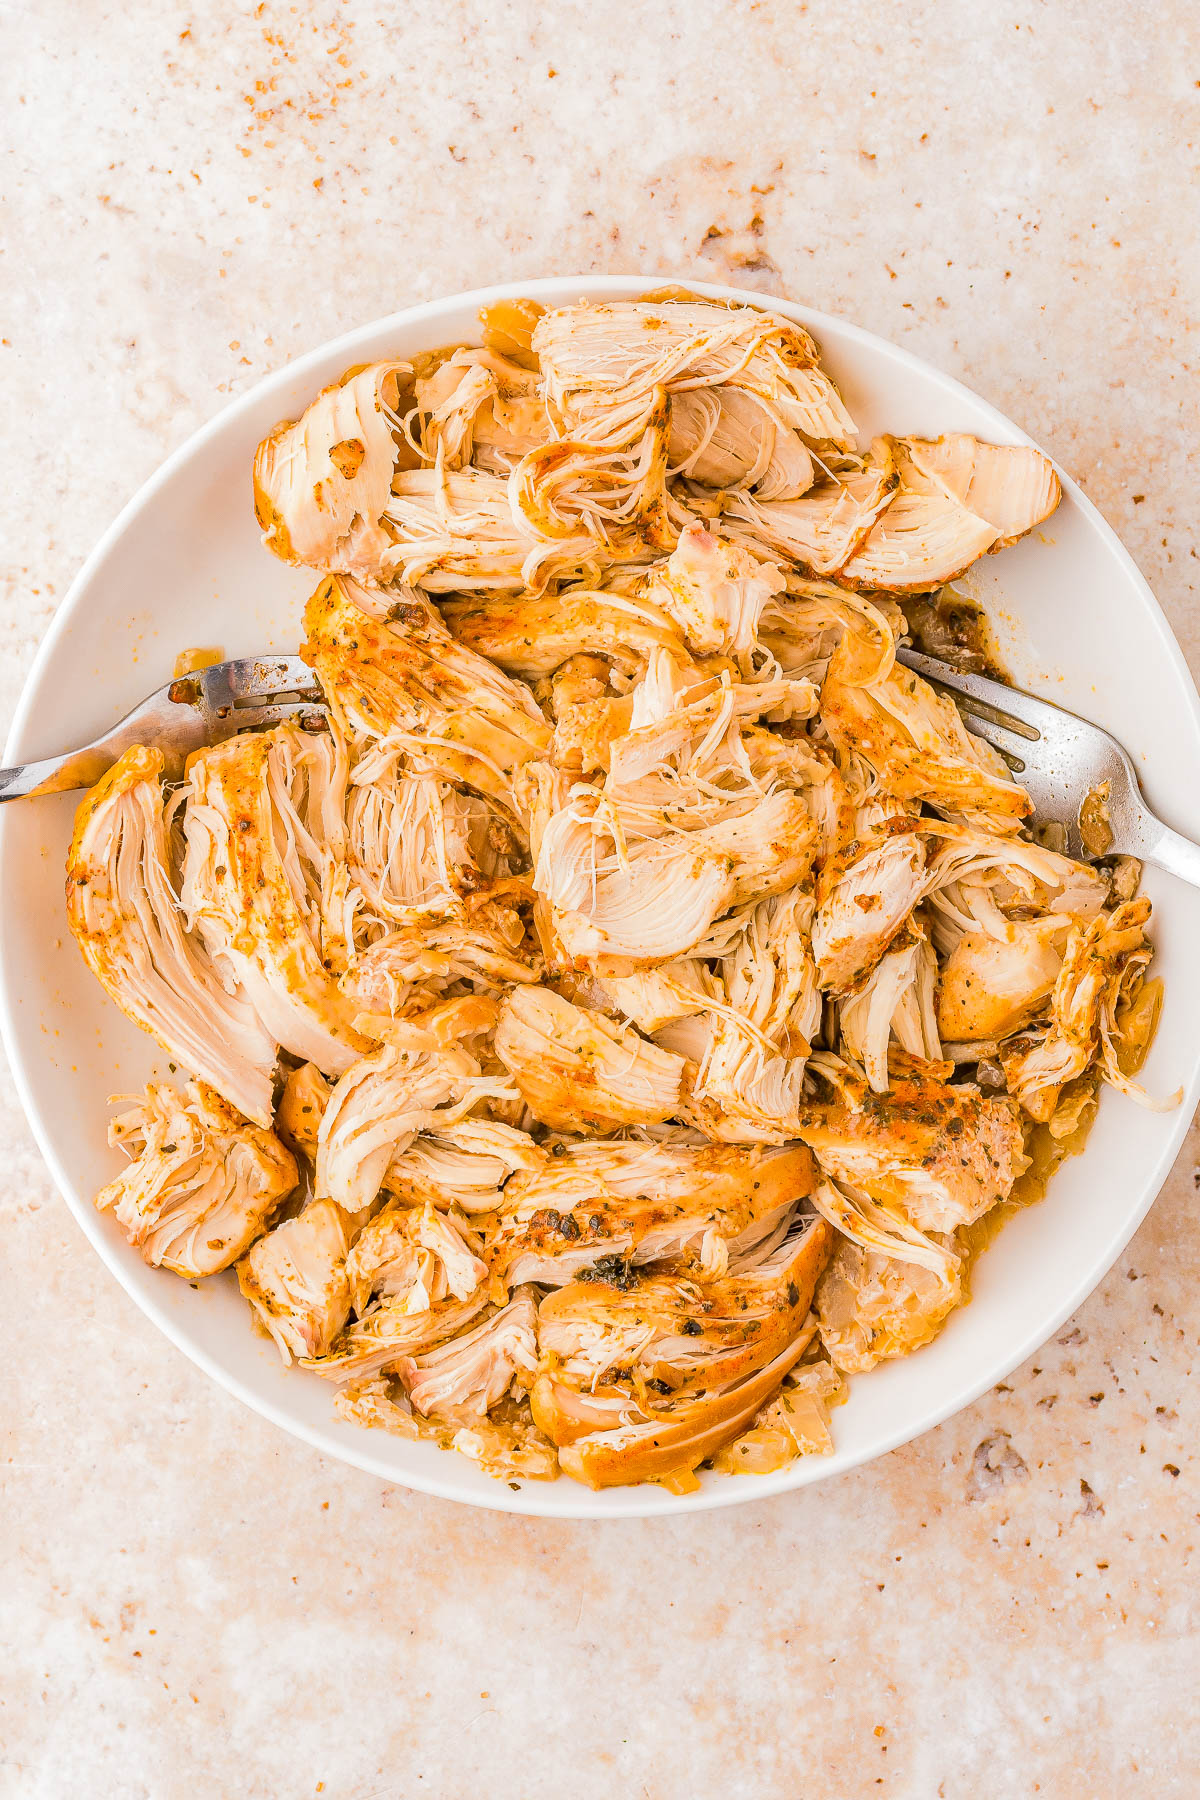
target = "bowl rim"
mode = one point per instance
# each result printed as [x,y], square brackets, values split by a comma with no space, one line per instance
[570,1499]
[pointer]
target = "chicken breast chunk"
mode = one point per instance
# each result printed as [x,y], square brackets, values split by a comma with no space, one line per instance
[941,1154]
[203,1184]
[577,1070]
[125,916]
[612,1204]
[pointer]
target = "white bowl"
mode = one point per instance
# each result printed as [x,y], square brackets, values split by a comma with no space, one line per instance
[183,565]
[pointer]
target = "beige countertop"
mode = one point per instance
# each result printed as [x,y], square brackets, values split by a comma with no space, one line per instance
[194,1603]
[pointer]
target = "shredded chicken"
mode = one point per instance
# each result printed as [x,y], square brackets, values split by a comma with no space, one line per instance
[382,1102]
[124,911]
[603,366]
[606,1025]
[468,1376]
[607,1205]
[911,515]
[203,1183]
[577,1070]
[940,1154]
[608,1440]
[404,679]
[295,1279]
[1103,964]
[677,1331]
[321,485]
[414,1255]
[874,1305]
[255,874]
[715,592]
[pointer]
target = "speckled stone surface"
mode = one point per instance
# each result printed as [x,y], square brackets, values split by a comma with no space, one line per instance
[193,1603]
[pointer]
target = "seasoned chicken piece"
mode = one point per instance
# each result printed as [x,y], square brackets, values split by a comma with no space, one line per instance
[532,635]
[976,877]
[478,406]
[690,756]
[382,1102]
[301,1107]
[653,998]
[607,1440]
[651,898]
[750,1079]
[1103,961]
[728,438]
[919,542]
[295,1279]
[415,1256]
[992,985]
[400,972]
[586,730]
[669,1331]
[867,905]
[540,791]
[1012,486]
[871,1307]
[615,494]
[582,677]
[940,1155]
[409,681]
[655,903]
[386,1334]
[464,1165]
[252,890]
[577,1070]
[604,366]
[456,531]
[606,1205]
[322,484]
[795,1423]
[715,592]
[919,747]
[415,846]
[896,1001]
[824,527]
[958,498]
[203,1182]
[124,914]
[441,427]
[678,729]
[913,516]
[472,1373]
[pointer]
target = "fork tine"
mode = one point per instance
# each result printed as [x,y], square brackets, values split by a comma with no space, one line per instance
[1006,703]
[257,678]
[246,718]
[999,740]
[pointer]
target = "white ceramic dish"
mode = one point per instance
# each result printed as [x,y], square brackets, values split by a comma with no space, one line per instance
[183,565]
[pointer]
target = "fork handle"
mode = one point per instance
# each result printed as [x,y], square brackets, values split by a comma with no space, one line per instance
[1167,849]
[57,774]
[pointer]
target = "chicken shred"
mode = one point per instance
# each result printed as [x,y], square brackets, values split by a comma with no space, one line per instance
[203,1184]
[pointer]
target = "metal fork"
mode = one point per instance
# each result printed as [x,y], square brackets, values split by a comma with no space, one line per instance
[1067,766]
[203,708]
